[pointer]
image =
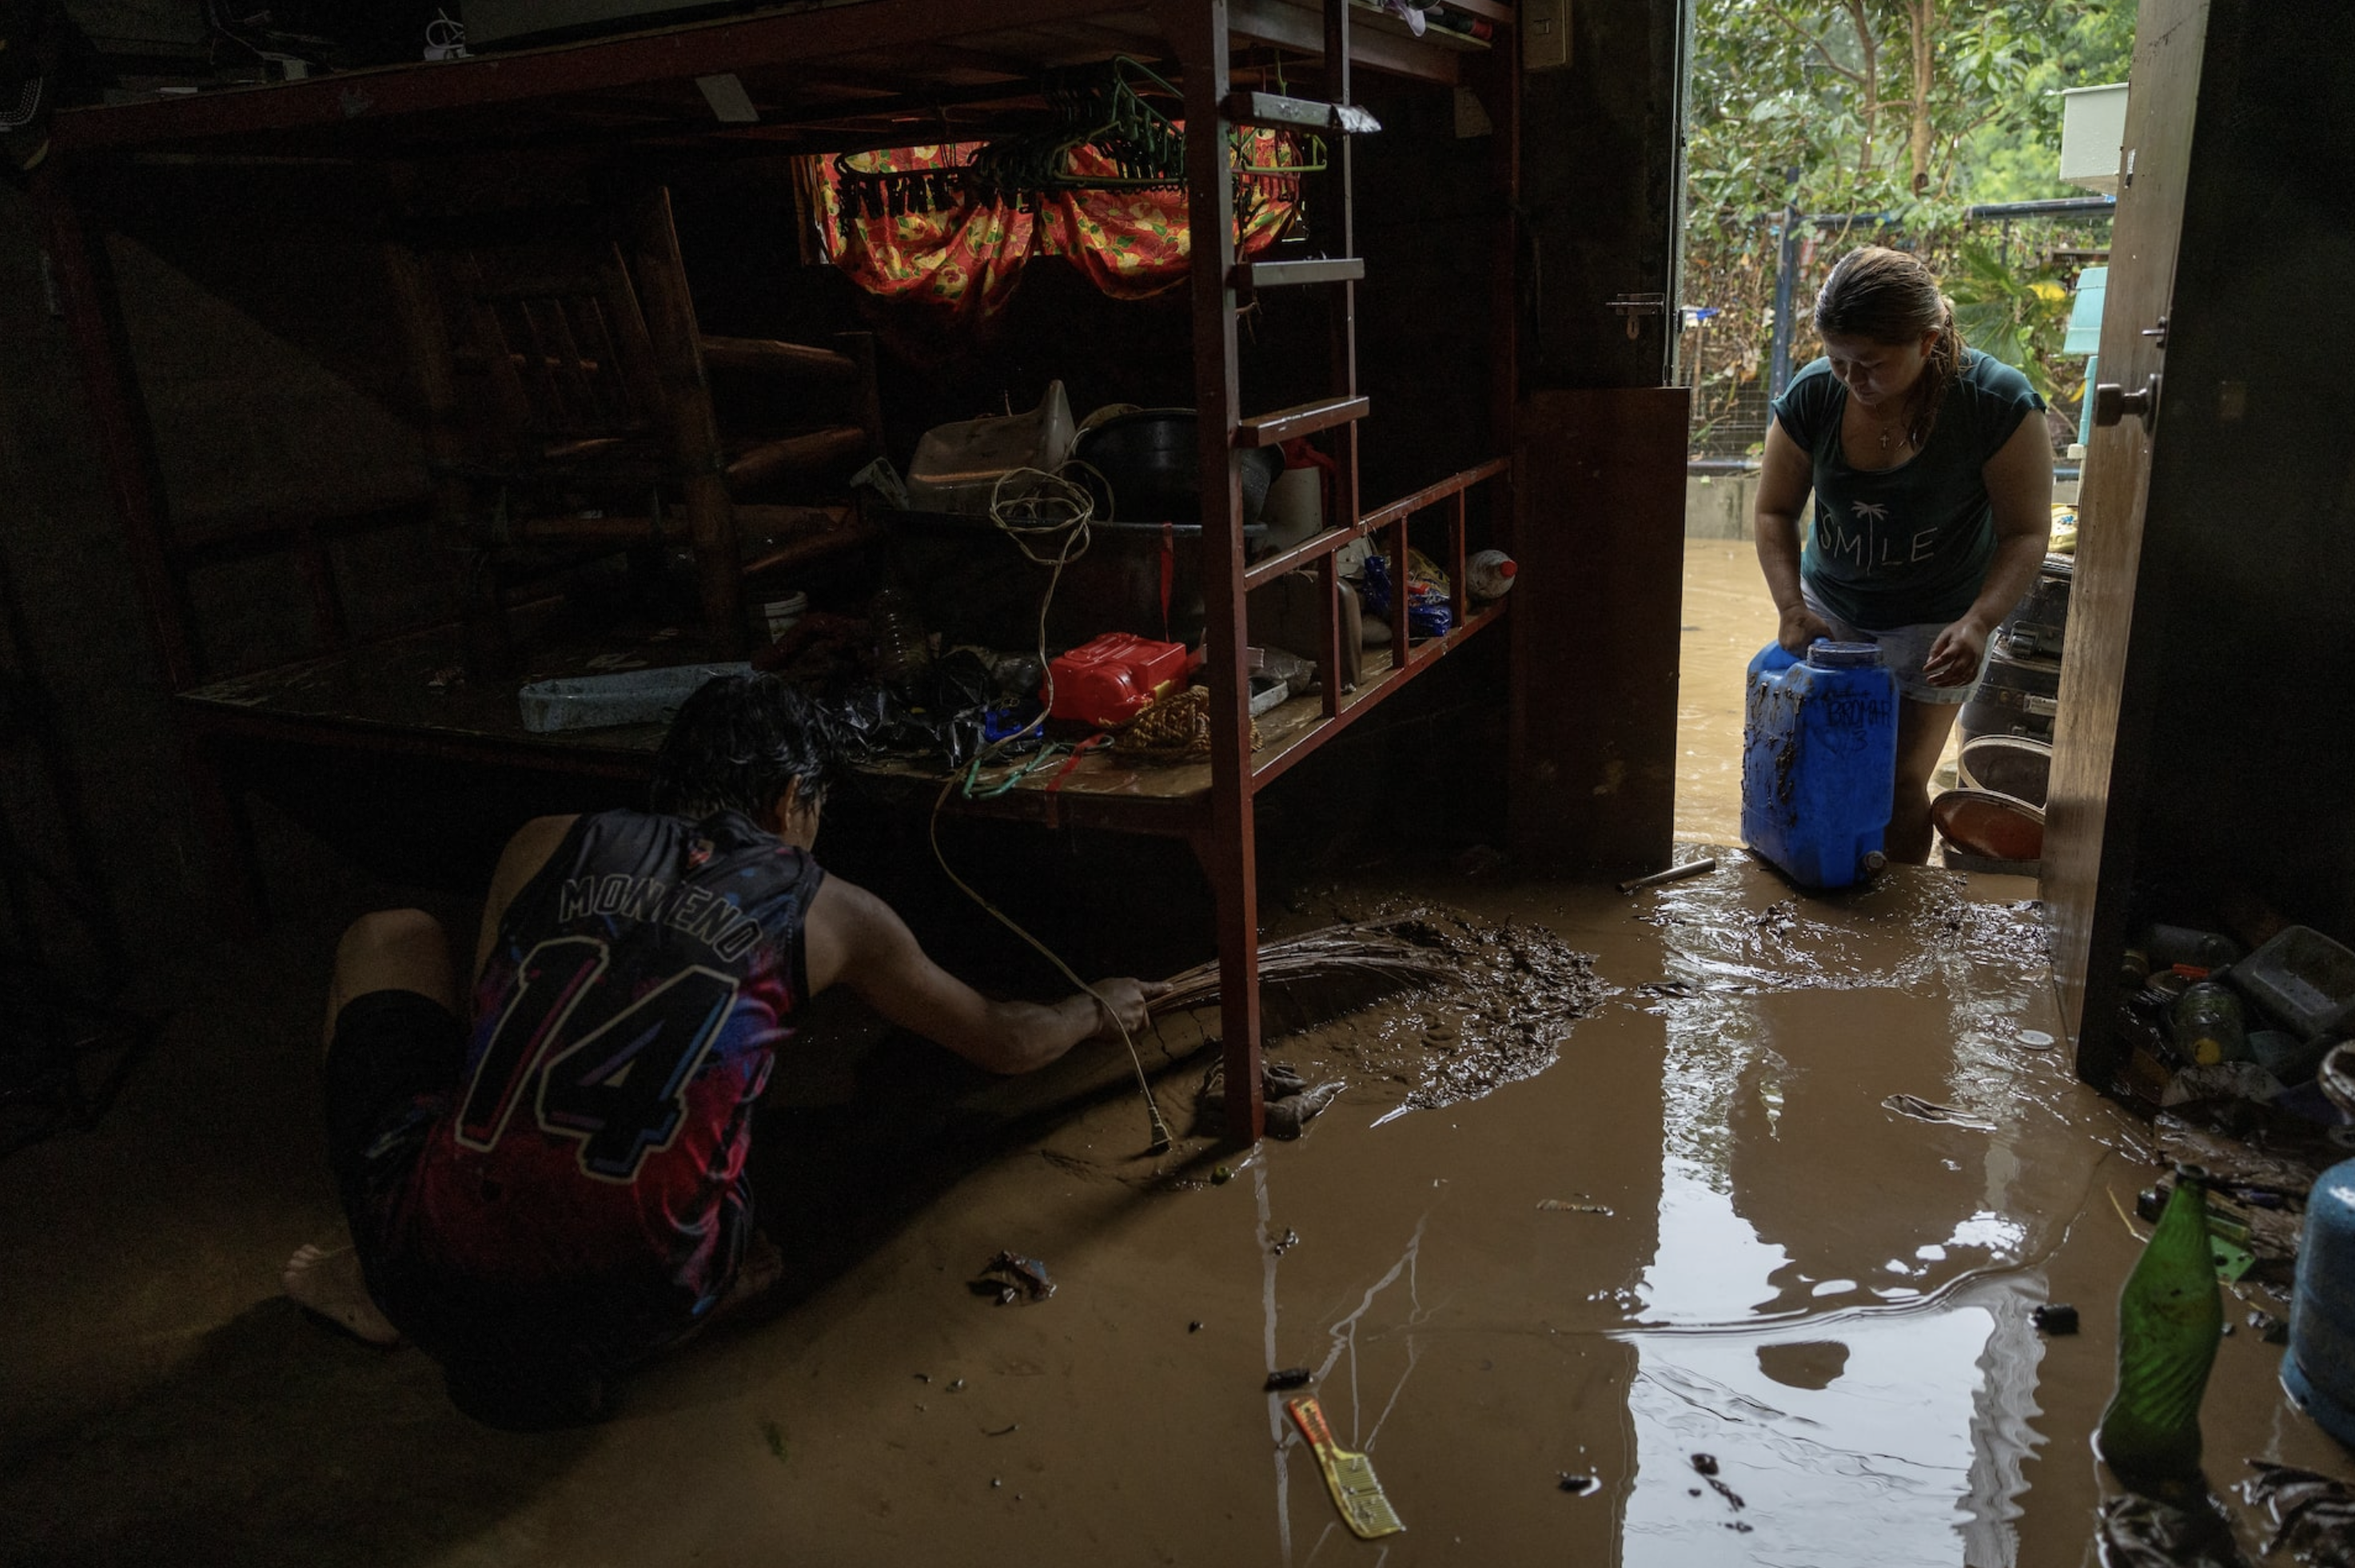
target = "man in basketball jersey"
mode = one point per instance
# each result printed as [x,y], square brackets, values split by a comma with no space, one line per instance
[545,1182]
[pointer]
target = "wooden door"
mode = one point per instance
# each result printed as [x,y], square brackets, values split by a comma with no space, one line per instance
[2102,732]
[1599,492]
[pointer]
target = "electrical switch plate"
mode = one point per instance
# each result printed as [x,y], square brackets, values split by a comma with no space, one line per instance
[1545,33]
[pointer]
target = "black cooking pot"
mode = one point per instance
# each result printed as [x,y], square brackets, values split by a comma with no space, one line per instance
[1149,461]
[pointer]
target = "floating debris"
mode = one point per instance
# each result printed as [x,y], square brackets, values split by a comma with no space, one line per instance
[2139,1531]
[1920,1109]
[1576,1485]
[1706,1464]
[1563,1205]
[2313,1515]
[1291,1101]
[2055,1318]
[1010,1278]
[1289,1377]
[1701,867]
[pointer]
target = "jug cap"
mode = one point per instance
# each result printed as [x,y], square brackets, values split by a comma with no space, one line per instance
[1825,654]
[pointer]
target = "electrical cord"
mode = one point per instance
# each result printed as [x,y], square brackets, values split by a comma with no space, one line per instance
[1054,508]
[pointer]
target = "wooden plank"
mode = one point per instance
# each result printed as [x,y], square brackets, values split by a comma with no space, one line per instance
[1229,852]
[771,356]
[668,55]
[1300,419]
[1296,26]
[1601,479]
[1295,274]
[2102,740]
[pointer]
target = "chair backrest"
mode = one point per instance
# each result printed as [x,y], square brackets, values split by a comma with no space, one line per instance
[537,345]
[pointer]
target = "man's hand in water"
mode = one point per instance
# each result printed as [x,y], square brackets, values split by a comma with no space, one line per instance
[1121,1004]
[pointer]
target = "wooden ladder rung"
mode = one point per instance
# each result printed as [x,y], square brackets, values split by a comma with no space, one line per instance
[1274,109]
[1301,420]
[1251,275]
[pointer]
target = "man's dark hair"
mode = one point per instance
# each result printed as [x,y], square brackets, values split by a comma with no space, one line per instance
[737,743]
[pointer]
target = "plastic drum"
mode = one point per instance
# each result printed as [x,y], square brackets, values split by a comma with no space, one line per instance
[2320,1370]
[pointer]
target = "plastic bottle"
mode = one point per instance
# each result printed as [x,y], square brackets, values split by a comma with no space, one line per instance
[2209,1025]
[2170,944]
[1490,573]
[902,651]
[2170,1316]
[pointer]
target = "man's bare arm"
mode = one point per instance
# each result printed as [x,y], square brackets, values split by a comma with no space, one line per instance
[530,849]
[855,938]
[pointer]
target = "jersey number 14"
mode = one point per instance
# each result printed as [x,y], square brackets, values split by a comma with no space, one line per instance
[620,1089]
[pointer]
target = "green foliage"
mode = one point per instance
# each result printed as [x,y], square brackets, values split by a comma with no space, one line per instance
[1817,104]
[2008,311]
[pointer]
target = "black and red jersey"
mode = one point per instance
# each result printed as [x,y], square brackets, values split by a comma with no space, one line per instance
[624,1025]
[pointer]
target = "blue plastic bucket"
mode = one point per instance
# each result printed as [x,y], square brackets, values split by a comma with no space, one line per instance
[1819,761]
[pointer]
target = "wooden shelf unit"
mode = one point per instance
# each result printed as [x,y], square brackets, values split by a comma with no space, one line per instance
[824,77]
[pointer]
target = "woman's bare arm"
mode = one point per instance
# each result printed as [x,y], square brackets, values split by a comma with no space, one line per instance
[1785,476]
[2020,487]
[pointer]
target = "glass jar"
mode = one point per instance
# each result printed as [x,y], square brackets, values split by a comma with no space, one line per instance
[2209,1025]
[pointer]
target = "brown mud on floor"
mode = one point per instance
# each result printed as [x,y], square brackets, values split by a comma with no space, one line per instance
[1749,1255]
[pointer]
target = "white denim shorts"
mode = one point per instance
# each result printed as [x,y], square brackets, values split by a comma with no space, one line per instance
[1905,649]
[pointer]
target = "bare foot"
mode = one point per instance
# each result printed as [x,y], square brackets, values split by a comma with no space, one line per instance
[756,1275]
[327,1284]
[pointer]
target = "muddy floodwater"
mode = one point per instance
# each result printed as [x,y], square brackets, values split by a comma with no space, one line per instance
[1754,1255]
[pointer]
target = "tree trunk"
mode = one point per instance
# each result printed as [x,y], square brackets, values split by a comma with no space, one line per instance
[1868,48]
[1922,23]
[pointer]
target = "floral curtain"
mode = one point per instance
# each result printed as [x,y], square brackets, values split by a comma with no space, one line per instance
[965,254]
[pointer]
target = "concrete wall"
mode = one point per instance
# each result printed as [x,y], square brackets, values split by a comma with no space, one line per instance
[1718,505]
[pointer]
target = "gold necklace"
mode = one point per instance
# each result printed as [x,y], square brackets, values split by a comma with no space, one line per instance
[1886,426]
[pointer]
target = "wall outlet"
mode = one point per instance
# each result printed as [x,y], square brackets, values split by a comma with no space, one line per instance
[1545,33]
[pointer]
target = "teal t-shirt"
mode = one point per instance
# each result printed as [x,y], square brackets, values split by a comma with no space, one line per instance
[1909,546]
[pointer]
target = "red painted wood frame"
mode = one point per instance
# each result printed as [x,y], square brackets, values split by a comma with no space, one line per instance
[552,93]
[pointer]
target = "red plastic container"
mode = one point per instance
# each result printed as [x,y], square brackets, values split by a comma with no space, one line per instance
[1111,680]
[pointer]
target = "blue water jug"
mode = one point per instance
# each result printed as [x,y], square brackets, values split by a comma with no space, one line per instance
[1819,760]
[2320,1369]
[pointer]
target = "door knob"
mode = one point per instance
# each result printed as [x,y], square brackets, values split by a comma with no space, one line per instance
[2113,402]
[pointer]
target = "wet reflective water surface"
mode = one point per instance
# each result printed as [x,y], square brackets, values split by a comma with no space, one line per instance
[1698,1259]
[1743,1276]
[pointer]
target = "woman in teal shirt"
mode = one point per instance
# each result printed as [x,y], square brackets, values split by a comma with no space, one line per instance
[1934,503]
